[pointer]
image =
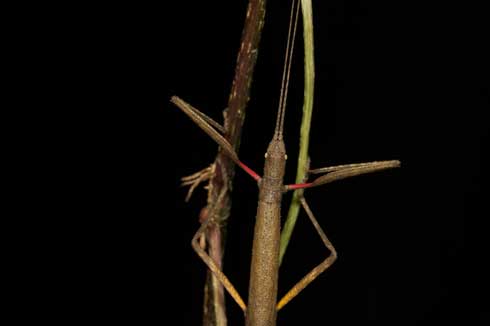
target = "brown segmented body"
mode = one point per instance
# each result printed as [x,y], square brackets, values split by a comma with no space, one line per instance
[262,296]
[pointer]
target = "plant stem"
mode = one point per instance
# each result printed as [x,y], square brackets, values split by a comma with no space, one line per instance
[214,302]
[309,70]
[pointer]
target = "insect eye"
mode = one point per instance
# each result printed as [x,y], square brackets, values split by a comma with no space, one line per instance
[266,155]
[285,156]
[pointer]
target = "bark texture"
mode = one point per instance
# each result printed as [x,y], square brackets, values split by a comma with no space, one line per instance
[214,312]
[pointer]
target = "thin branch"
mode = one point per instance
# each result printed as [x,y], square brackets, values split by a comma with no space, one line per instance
[214,305]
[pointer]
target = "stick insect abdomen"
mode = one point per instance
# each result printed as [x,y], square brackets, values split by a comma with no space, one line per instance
[262,298]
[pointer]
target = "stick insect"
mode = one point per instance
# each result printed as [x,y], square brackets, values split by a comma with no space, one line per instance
[262,305]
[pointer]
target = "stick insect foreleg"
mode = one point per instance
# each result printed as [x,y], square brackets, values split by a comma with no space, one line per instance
[334,173]
[340,172]
[208,125]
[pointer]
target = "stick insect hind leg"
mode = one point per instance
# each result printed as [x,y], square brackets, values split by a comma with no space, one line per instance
[208,260]
[336,173]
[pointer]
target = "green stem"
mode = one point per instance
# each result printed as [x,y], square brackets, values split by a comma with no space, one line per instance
[309,69]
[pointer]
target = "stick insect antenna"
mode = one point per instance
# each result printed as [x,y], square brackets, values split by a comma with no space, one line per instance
[293,24]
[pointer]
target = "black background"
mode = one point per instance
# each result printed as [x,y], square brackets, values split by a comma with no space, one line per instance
[393,81]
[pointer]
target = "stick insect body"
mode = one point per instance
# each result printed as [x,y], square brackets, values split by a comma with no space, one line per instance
[262,299]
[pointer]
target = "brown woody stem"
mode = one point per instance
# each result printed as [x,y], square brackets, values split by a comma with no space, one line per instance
[214,303]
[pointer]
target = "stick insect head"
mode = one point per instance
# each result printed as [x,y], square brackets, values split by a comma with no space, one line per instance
[275,159]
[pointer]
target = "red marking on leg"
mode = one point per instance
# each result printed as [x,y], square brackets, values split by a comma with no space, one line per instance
[299,186]
[250,171]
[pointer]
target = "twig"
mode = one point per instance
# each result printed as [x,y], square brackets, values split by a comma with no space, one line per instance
[214,302]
